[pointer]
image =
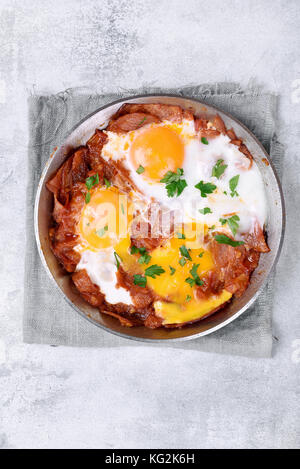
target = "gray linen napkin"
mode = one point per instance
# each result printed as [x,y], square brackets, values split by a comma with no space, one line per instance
[48,319]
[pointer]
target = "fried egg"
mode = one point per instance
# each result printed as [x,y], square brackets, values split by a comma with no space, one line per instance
[159,148]
[103,223]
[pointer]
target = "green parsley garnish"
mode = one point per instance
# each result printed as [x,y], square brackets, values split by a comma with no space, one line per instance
[140,280]
[142,121]
[180,235]
[201,254]
[205,210]
[151,271]
[223,239]
[140,169]
[174,183]
[102,231]
[154,270]
[194,269]
[107,183]
[185,252]
[122,209]
[188,298]
[191,281]
[144,259]
[172,270]
[195,279]
[212,227]
[118,259]
[219,169]
[233,185]
[134,250]
[92,181]
[205,188]
[204,140]
[232,223]
[182,261]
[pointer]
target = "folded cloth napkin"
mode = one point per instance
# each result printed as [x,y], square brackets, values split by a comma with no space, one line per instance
[48,319]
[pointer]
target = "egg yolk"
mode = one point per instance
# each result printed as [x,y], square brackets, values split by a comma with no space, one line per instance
[157,150]
[173,313]
[174,287]
[178,303]
[104,220]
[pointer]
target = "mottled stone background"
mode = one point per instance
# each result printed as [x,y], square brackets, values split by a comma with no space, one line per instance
[129,397]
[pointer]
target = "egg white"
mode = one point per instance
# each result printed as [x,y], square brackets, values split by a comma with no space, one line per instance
[101,268]
[199,159]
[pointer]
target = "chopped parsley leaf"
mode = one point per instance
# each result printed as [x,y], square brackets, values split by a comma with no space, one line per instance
[205,188]
[92,181]
[232,223]
[174,184]
[233,185]
[154,270]
[118,259]
[195,279]
[144,259]
[219,169]
[190,281]
[182,261]
[142,121]
[180,235]
[107,183]
[140,280]
[205,210]
[204,140]
[87,197]
[185,252]
[223,239]
[140,169]
[172,270]
[193,271]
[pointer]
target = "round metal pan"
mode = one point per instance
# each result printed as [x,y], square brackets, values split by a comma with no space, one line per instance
[275,225]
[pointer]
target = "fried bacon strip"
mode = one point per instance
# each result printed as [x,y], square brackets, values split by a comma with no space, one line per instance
[69,174]
[256,239]
[88,290]
[160,111]
[202,126]
[95,145]
[133,121]
[234,266]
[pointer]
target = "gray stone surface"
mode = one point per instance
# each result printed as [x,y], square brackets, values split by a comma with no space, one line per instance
[136,397]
